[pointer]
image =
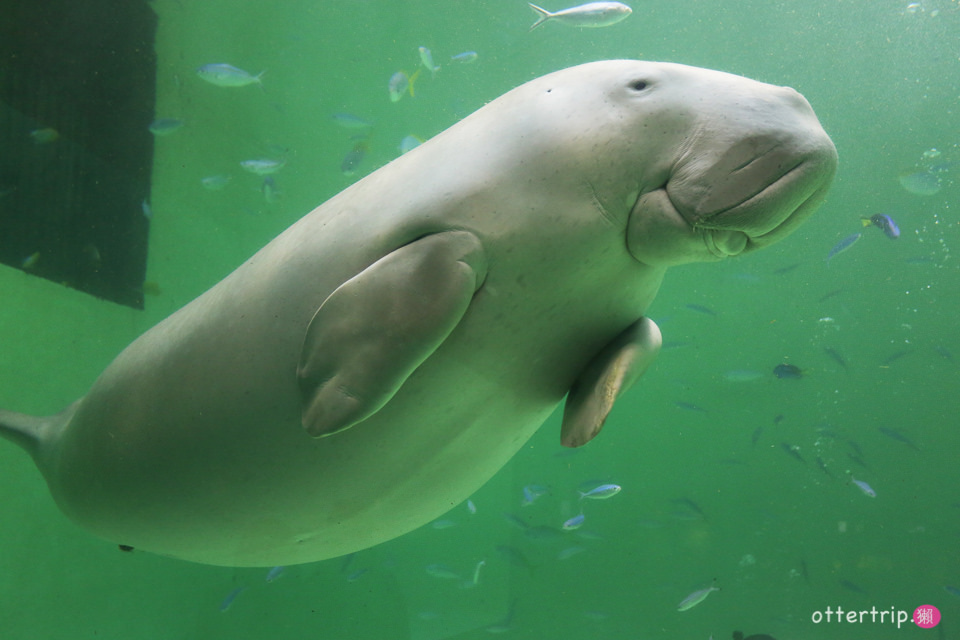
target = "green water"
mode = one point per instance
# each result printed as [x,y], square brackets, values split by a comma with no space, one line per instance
[783,538]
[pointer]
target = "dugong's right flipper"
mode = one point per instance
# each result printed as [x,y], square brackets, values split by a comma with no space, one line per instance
[376,328]
[606,376]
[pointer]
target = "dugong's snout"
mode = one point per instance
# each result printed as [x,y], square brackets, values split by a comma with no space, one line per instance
[754,168]
[751,179]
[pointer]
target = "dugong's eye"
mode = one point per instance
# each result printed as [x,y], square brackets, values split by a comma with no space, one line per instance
[639,85]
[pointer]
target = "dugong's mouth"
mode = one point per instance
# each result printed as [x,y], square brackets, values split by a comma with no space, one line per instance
[757,193]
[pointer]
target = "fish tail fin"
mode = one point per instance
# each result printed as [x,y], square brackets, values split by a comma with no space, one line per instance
[866,222]
[33,433]
[542,16]
[411,80]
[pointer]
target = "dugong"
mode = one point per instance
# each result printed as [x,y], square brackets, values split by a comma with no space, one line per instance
[382,358]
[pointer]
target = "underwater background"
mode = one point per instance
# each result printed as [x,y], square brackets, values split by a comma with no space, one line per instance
[731,476]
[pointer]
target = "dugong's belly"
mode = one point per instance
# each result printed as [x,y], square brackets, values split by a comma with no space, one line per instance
[251,488]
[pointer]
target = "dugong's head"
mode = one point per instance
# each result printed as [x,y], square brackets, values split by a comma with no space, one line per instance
[701,164]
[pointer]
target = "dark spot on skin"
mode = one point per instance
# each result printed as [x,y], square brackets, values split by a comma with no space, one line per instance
[639,85]
[125,547]
[549,90]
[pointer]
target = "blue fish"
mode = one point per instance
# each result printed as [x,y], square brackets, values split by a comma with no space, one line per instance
[843,245]
[274,573]
[230,598]
[574,523]
[883,222]
[531,492]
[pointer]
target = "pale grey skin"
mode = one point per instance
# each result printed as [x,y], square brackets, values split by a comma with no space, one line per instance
[430,317]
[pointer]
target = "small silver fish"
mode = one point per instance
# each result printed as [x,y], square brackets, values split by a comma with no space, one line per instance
[696,598]
[602,492]
[863,486]
[215,183]
[442,571]
[227,75]
[271,192]
[843,245]
[165,126]
[466,57]
[350,121]
[592,14]
[263,166]
[569,552]
[574,523]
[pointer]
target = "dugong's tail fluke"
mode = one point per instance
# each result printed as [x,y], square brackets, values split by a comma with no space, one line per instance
[31,432]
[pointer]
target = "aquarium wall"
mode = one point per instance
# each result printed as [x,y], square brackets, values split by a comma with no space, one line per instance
[792,450]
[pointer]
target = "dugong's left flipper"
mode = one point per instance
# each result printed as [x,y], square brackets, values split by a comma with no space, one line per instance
[606,376]
[376,328]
